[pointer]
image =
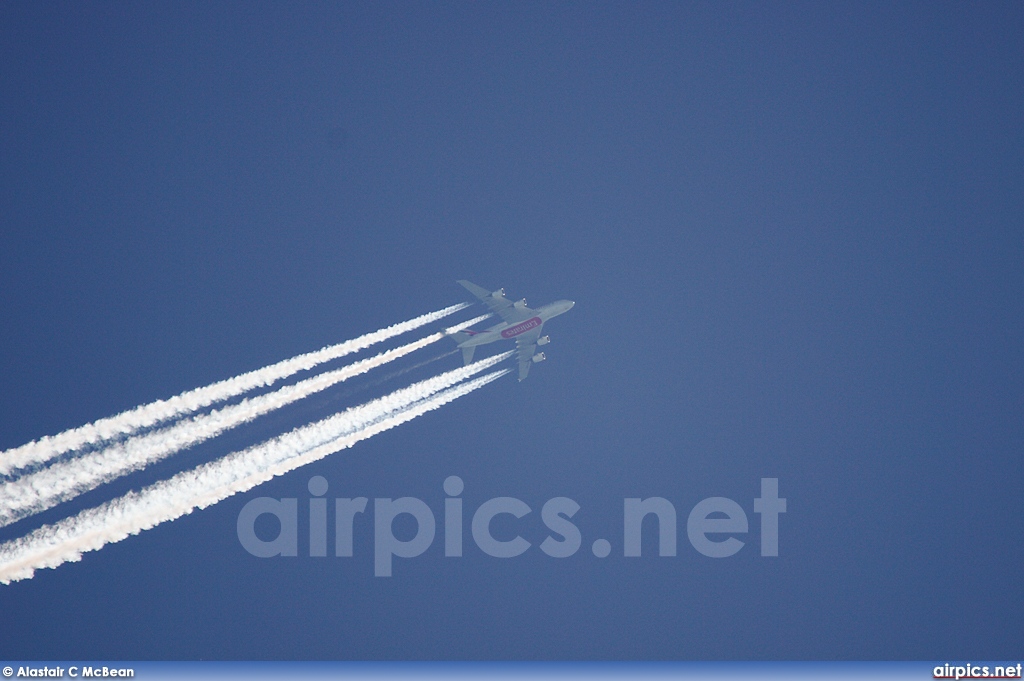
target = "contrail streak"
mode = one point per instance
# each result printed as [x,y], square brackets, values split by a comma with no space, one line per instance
[65,480]
[390,376]
[90,530]
[146,415]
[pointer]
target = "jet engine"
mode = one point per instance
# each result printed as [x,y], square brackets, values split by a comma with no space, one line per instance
[499,293]
[539,357]
[543,340]
[521,305]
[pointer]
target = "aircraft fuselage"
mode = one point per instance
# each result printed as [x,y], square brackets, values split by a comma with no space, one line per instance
[507,331]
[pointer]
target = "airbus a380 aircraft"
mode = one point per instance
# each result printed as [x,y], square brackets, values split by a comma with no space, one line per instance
[517,321]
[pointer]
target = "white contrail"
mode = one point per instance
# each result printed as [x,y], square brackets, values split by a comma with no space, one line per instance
[65,480]
[146,415]
[90,530]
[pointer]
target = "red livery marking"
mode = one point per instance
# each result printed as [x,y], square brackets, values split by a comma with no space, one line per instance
[521,327]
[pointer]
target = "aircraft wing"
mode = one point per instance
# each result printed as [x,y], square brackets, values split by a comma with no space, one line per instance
[526,348]
[500,305]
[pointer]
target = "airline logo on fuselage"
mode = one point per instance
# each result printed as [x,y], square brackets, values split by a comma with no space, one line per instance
[521,327]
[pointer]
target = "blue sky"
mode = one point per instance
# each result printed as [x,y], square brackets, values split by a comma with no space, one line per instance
[793,234]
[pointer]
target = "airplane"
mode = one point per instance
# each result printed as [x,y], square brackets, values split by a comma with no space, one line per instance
[518,321]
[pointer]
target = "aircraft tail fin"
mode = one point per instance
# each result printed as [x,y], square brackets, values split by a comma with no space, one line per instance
[460,337]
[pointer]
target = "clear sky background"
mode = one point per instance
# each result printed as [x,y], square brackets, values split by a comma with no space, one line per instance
[793,233]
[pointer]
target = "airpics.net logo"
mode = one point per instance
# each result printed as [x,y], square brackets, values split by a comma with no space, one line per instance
[710,525]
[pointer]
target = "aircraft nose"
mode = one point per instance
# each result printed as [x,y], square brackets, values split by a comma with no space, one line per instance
[572,304]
